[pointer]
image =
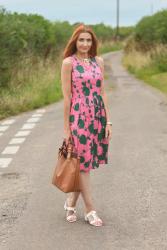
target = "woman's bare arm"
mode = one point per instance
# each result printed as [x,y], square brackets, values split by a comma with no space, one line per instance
[66,89]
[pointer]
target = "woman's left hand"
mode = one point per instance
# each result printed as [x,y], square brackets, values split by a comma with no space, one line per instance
[108,131]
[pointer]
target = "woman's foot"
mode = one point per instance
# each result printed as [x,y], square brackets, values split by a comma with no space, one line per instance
[93,219]
[71,213]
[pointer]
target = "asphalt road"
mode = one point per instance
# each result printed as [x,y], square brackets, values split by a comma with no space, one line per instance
[130,193]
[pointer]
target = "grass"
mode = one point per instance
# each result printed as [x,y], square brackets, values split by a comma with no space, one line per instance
[36,83]
[39,87]
[158,81]
[110,46]
[150,66]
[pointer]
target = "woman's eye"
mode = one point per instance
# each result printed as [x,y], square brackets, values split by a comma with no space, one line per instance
[81,40]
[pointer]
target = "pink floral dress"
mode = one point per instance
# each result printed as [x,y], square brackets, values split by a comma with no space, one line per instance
[87,114]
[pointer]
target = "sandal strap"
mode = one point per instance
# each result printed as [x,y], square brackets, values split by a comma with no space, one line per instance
[94,215]
[91,213]
[71,209]
[71,216]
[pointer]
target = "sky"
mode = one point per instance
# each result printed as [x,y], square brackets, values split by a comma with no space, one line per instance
[87,11]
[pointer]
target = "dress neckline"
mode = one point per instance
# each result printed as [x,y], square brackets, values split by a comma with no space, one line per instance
[80,61]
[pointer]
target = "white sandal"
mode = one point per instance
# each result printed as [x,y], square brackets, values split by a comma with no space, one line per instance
[93,219]
[71,217]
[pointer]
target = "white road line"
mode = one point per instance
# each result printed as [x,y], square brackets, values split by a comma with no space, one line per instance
[33,119]
[31,123]
[23,133]
[11,150]
[4,162]
[16,140]
[37,115]
[28,126]
[3,128]
[8,122]
[40,110]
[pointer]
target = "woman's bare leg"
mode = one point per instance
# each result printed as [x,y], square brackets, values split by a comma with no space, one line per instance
[72,198]
[86,194]
[86,191]
[71,201]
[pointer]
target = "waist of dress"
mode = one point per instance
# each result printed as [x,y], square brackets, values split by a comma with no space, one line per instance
[94,100]
[85,97]
[78,96]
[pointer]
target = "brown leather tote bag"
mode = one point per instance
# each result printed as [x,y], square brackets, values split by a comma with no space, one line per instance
[67,171]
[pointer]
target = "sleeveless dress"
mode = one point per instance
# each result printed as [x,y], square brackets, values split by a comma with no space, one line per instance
[87,114]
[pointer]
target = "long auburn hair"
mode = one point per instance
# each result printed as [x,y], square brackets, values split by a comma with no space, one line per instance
[71,45]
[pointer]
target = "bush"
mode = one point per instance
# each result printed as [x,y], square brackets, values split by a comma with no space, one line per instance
[152,29]
[26,36]
[22,35]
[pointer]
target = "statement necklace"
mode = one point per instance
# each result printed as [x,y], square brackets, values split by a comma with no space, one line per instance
[85,60]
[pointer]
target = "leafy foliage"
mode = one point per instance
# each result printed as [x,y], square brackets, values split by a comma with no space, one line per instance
[30,35]
[22,34]
[152,29]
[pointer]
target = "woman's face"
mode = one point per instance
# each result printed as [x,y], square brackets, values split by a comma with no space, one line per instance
[84,42]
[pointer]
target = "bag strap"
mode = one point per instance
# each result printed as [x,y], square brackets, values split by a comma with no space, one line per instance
[70,141]
[70,145]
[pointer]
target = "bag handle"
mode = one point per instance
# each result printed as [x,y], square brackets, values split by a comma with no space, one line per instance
[70,141]
[68,147]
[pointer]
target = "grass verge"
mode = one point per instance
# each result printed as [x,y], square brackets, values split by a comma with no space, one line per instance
[150,66]
[36,83]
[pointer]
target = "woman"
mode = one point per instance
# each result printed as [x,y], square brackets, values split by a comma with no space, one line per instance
[86,114]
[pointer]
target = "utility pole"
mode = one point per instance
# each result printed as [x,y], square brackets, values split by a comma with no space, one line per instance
[152,9]
[117,28]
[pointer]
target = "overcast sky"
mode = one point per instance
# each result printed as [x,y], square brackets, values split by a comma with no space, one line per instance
[87,11]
